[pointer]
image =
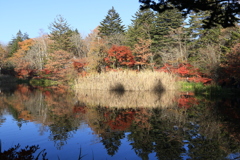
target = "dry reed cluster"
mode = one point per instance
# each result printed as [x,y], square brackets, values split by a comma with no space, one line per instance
[128,81]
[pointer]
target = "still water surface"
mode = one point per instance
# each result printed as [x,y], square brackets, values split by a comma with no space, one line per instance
[105,125]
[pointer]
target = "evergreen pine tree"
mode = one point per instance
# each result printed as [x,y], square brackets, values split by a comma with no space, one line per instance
[13,44]
[111,25]
[61,34]
[195,24]
[199,36]
[163,24]
[141,27]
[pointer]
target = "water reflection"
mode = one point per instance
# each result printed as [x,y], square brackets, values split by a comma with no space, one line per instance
[155,126]
[127,99]
[26,153]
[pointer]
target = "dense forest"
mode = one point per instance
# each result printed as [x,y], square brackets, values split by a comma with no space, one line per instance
[158,41]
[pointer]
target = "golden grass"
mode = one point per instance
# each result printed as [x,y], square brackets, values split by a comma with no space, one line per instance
[127,81]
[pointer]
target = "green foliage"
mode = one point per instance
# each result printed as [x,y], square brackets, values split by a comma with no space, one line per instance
[13,45]
[43,82]
[229,38]
[189,86]
[222,12]
[200,88]
[195,24]
[209,47]
[111,25]
[163,24]
[61,34]
[160,29]
[204,44]
[141,27]
[207,91]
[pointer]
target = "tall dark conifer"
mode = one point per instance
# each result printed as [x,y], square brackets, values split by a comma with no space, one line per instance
[61,34]
[111,25]
[195,24]
[141,27]
[13,44]
[201,37]
[164,22]
[222,12]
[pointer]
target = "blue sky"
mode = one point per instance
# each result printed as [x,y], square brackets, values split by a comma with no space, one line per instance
[31,16]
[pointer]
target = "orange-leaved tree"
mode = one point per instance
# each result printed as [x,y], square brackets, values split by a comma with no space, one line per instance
[97,50]
[143,54]
[59,65]
[80,65]
[24,46]
[119,56]
[21,65]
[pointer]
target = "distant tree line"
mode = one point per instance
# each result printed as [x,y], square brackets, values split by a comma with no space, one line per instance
[153,39]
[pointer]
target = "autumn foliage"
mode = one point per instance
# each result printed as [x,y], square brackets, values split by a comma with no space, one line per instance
[22,65]
[186,72]
[142,53]
[187,100]
[121,121]
[80,65]
[119,56]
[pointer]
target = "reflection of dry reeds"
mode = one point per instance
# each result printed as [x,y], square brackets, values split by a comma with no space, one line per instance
[126,99]
[128,80]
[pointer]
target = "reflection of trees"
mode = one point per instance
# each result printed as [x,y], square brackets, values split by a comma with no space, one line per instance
[25,104]
[149,132]
[27,153]
[207,138]
[230,108]
[202,147]
[160,137]
[206,130]
[111,141]
[171,133]
[139,136]
[62,129]
[141,142]
[54,108]
[2,120]
[168,141]
[110,125]
[61,112]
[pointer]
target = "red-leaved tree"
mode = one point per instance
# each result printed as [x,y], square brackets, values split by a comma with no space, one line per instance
[119,56]
[186,72]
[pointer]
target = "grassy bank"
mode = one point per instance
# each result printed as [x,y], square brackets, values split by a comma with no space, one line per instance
[208,90]
[128,81]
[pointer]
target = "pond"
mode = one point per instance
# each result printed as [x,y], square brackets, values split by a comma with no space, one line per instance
[53,124]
